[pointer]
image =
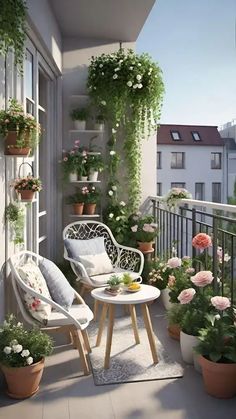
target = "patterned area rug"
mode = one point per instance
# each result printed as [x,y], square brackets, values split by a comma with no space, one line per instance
[129,362]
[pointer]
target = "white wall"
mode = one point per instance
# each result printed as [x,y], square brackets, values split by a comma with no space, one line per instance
[197,168]
[46,27]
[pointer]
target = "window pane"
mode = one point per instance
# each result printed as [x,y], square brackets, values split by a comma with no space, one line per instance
[178,185]
[199,191]
[175,135]
[158,160]
[216,192]
[196,136]
[216,160]
[177,160]
[159,189]
[29,75]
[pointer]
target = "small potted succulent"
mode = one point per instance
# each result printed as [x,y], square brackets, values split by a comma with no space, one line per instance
[100,121]
[22,353]
[113,284]
[92,196]
[20,129]
[78,199]
[27,186]
[79,116]
[95,166]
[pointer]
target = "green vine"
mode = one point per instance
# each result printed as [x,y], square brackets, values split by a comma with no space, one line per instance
[14,214]
[127,89]
[12,29]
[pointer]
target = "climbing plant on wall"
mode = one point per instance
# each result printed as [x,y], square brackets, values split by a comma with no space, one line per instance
[128,89]
[12,29]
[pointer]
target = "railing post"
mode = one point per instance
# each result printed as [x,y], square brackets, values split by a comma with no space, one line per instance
[214,254]
[194,232]
[154,213]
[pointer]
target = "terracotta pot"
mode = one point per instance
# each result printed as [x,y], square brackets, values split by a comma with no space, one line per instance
[11,144]
[78,208]
[89,209]
[27,195]
[145,246]
[187,343]
[219,378]
[165,298]
[23,382]
[174,331]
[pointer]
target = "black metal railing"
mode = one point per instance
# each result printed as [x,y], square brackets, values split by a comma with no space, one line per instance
[178,227]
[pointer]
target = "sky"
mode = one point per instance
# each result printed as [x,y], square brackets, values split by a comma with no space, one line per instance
[194,42]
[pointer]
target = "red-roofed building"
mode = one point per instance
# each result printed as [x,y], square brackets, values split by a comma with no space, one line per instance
[192,157]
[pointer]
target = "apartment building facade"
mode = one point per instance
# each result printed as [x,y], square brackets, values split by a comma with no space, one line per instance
[228,133]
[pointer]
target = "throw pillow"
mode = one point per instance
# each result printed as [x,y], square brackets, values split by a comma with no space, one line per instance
[97,264]
[32,276]
[59,288]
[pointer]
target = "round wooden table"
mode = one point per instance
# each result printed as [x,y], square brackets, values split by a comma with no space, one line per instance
[146,294]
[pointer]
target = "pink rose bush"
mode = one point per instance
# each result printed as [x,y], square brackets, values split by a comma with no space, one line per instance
[186,296]
[201,241]
[174,262]
[202,278]
[220,303]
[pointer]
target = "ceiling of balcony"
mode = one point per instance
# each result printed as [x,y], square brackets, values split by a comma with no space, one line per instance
[119,20]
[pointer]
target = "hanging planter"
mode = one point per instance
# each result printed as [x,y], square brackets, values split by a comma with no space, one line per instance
[27,186]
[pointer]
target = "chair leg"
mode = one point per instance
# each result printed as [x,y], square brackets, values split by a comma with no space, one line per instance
[73,338]
[83,358]
[86,340]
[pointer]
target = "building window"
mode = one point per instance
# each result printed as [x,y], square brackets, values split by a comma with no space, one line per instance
[178,185]
[216,160]
[196,136]
[216,192]
[177,160]
[200,191]
[159,189]
[175,135]
[158,160]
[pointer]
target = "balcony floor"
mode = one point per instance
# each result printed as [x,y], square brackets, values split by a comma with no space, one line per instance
[66,394]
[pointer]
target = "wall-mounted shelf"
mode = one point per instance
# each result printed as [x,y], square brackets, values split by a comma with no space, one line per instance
[85,216]
[88,131]
[85,181]
[78,96]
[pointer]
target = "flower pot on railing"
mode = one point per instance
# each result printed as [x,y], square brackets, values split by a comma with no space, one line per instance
[145,246]
[78,208]
[93,176]
[12,147]
[89,209]
[80,125]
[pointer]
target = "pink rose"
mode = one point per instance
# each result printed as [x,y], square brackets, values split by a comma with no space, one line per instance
[201,241]
[174,262]
[171,281]
[190,271]
[134,228]
[186,296]
[202,278]
[220,303]
[186,258]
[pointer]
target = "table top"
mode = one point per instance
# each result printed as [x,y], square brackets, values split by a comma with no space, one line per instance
[145,294]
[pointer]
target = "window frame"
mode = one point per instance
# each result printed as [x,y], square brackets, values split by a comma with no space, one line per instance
[172,132]
[183,160]
[159,185]
[212,195]
[199,136]
[203,191]
[159,160]
[214,166]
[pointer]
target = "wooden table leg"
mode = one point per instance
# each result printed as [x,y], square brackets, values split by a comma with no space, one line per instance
[95,310]
[148,325]
[109,335]
[101,323]
[134,323]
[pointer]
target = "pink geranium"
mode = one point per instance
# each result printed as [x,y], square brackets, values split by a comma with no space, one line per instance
[202,278]
[174,262]
[186,296]
[148,228]
[134,228]
[220,303]
[201,241]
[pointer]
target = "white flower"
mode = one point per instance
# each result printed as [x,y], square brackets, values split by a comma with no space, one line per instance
[149,74]
[135,86]
[217,316]
[114,188]
[117,69]
[117,125]
[139,65]
[121,61]
[112,152]
[150,70]
[138,77]
[103,102]
[14,342]
[129,83]
[100,65]
[117,218]
[110,193]
[19,324]
[17,348]
[111,215]
[102,73]
[94,88]
[115,76]
[140,86]
[7,350]
[122,203]
[29,360]
[5,323]
[131,68]
[25,353]
[113,130]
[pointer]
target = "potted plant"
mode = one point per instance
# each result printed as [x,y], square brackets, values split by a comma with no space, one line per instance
[217,349]
[74,164]
[91,198]
[95,165]
[174,316]
[78,199]
[174,195]
[144,231]
[14,214]
[27,186]
[113,284]
[19,129]
[127,279]
[79,116]
[100,121]
[22,353]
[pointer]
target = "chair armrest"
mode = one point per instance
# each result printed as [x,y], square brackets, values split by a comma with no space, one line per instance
[77,266]
[129,258]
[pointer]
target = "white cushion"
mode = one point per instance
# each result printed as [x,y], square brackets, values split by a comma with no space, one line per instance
[97,264]
[32,276]
[80,312]
[101,280]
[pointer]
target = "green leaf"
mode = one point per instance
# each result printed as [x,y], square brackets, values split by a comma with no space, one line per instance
[215,356]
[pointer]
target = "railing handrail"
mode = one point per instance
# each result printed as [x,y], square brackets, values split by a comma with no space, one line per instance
[196,202]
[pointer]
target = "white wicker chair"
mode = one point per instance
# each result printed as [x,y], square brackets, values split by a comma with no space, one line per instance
[123,258]
[60,319]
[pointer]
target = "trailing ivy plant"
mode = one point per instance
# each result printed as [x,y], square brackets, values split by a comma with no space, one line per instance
[12,29]
[14,214]
[127,88]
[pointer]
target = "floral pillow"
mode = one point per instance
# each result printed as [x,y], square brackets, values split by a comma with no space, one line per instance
[32,276]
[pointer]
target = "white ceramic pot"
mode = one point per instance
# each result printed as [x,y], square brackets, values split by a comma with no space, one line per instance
[84,178]
[80,125]
[93,176]
[165,298]
[99,127]
[73,177]
[187,343]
